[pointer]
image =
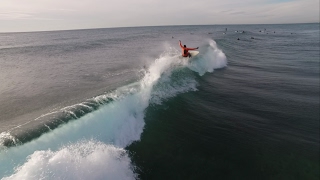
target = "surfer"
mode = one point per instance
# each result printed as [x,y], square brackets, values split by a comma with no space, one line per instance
[185,50]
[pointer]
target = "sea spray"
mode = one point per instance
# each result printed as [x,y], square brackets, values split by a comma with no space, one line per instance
[210,58]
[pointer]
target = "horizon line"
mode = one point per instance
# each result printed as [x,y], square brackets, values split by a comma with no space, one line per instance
[151,26]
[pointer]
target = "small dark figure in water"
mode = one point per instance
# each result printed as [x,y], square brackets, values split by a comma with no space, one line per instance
[172,37]
[260,31]
[252,37]
[274,32]
[238,39]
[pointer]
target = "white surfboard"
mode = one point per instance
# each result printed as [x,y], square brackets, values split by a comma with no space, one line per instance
[193,53]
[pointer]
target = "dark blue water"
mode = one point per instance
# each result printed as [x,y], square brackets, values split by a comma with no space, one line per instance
[120,103]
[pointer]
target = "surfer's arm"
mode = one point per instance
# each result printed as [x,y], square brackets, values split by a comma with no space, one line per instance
[180,44]
[192,48]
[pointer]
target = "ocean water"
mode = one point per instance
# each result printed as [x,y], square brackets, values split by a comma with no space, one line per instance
[120,103]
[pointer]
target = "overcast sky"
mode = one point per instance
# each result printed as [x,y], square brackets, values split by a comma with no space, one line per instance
[39,15]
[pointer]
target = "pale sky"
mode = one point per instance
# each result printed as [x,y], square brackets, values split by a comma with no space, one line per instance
[42,15]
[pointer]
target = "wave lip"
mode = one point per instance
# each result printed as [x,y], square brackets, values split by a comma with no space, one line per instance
[50,121]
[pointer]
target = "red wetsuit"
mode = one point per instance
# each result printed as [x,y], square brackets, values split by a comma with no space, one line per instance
[185,50]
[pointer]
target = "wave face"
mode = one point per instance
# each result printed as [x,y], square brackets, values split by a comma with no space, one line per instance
[92,147]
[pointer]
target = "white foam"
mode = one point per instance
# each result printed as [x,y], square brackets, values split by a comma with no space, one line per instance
[6,136]
[209,59]
[84,160]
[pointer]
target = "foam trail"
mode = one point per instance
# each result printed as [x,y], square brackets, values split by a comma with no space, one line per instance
[92,147]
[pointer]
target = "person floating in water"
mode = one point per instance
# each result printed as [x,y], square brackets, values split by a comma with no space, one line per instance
[185,50]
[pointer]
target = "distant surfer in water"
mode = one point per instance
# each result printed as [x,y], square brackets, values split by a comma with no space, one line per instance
[185,50]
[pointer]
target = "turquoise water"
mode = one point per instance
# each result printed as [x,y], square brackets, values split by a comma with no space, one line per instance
[120,103]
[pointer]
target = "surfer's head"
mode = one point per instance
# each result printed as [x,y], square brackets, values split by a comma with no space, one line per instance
[184,46]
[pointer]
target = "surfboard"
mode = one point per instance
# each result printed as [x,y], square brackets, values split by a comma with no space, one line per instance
[193,53]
